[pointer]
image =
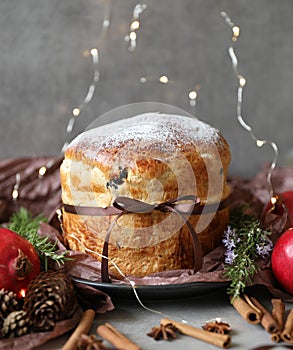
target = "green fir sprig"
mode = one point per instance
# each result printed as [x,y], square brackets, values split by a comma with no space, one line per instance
[245,242]
[27,226]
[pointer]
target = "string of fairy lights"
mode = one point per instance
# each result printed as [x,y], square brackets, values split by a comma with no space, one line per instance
[240,89]
[192,94]
[131,38]
[134,26]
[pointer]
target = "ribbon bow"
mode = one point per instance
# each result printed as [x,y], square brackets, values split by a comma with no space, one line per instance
[179,206]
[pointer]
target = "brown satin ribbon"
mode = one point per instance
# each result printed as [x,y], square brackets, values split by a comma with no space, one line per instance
[126,205]
[99,211]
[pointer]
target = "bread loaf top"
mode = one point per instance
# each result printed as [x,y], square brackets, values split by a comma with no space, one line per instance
[152,157]
[150,131]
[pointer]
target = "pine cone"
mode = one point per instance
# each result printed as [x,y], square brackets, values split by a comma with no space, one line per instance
[50,298]
[8,303]
[16,324]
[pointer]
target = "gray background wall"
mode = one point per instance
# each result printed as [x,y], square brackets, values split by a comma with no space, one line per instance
[44,72]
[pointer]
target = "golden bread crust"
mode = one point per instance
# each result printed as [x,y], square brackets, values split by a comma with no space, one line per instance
[153,158]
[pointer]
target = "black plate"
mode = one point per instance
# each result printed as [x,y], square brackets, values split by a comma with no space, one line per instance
[160,292]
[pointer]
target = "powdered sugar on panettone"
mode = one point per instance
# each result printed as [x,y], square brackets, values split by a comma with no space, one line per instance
[163,132]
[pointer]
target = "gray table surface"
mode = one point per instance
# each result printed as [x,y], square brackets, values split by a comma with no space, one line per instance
[134,321]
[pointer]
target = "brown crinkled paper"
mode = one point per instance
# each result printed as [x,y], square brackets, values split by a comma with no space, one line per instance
[38,195]
[44,195]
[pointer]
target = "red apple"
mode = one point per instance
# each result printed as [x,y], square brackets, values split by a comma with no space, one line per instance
[282,260]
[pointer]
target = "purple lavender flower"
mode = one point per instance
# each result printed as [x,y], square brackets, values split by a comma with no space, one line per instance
[230,239]
[230,255]
[264,247]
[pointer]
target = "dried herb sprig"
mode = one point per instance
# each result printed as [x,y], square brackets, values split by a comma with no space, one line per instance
[245,242]
[27,226]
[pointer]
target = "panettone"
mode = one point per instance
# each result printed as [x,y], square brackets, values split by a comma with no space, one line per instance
[153,158]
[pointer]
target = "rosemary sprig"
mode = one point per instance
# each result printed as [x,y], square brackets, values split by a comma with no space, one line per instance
[27,226]
[245,242]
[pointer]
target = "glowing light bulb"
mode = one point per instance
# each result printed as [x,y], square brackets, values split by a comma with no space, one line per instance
[236,33]
[132,36]
[14,194]
[106,23]
[192,98]
[42,171]
[164,79]
[76,112]
[242,81]
[134,25]
[260,143]
[22,293]
[192,95]
[94,52]
[273,200]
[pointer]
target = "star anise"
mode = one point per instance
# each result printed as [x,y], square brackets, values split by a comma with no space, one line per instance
[164,332]
[217,327]
[90,342]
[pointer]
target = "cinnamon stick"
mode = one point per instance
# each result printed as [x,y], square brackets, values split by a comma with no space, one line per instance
[220,340]
[117,339]
[250,313]
[82,328]
[276,337]
[278,312]
[267,320]
[287,334]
